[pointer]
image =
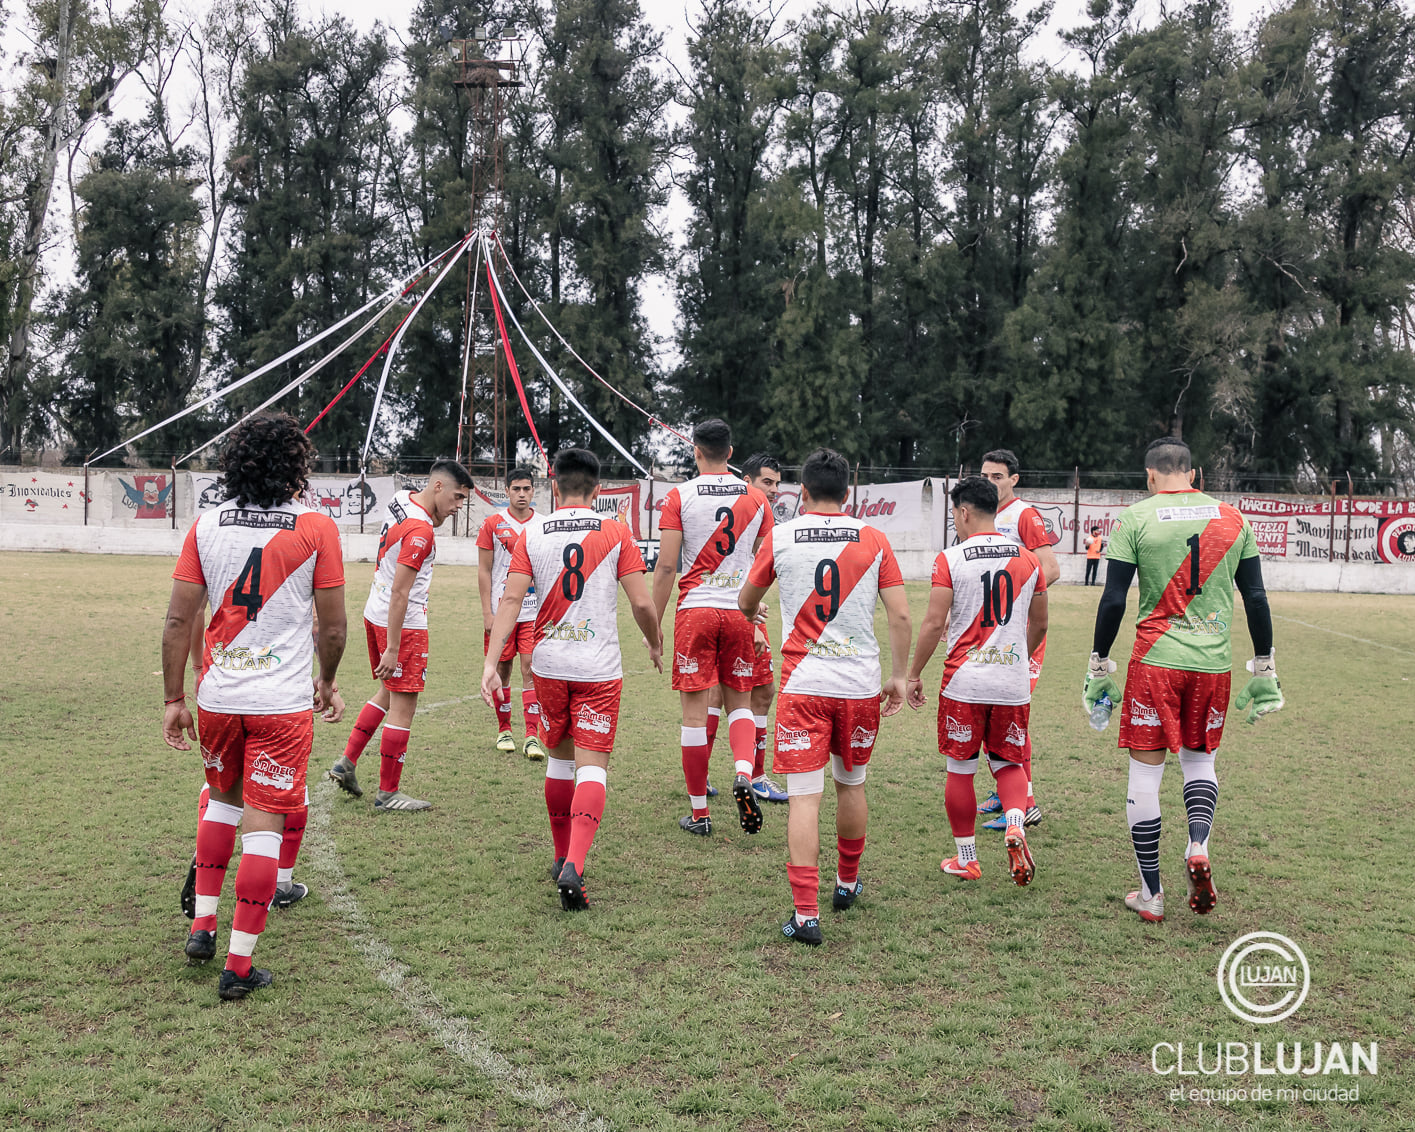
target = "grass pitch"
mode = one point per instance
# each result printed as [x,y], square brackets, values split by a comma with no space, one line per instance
[431,979]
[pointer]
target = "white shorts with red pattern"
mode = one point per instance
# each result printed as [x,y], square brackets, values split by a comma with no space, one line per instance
[711,647]
[1172,708]
[809,729]
[587,711]
[964,729]
[266,755]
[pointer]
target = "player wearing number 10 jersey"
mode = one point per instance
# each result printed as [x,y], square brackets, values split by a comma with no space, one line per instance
[1190,551]
[577,560]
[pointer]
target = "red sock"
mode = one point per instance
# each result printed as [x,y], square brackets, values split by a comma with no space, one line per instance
[961,804]
[502,700]
[370,716]
[255,885]
[531,706]
[695,766]
[393,747]
[586,810]
[742,735]
[714,719]
[759,764]
[216,841]
[805,889]
[1027,770]
[850,849]
[294,834]
[1011,787]
[202,800]
[559,795]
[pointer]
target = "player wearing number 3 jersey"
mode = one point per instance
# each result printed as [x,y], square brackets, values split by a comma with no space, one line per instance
[267,564]
[1190,551]
[577,560]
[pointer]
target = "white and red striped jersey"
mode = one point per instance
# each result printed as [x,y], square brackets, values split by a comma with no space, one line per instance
[498,534]
[260,568]
[576,558]
[1020,523]
[993,582]
[407,539]
[721,518]
[829,570]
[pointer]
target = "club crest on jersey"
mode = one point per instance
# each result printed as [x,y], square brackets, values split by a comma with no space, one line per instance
[212,761]
[1142,715]
[1015,735]
[569,631]
[957,732]
[1215,720]
[268,772]
[242,658]
[862,739]
[732,581]
[832,648]
[789,739]
[741,667]
[591,720]
[1210,626]
[686,665]
[991,654]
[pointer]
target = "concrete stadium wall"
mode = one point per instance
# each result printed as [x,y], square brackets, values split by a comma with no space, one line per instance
[1297,577]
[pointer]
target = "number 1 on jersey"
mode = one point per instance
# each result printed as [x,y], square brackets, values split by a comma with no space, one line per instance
[1194,589]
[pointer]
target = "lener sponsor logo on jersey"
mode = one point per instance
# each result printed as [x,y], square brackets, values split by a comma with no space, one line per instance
[261,520]
[686,665]
[569,631]
[591,720]
[1142,715]
[1215,720]
[242,658]
[1015,735]
[957,732]
[788,739]
[846,647]
[741,667]
[211,760]
[557,526]
[862,739]
[972,553]
[722,489]
[268,772]
[1210,626]
[1181,514]
[729,581]
[991,654]
[828,534]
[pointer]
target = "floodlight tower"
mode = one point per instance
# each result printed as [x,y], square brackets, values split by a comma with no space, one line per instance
[488,67]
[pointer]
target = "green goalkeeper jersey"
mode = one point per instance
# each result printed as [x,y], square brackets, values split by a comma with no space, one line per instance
[1186,547]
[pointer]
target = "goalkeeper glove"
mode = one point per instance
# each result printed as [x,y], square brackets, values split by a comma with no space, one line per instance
[1262,691]
[1099,683]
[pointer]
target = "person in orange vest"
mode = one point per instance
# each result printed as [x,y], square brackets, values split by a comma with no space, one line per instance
[1094,545]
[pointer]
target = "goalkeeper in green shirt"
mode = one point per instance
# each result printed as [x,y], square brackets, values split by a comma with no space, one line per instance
[1189,551]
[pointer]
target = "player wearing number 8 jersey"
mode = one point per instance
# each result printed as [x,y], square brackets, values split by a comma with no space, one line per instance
[830,568]
[715,522]
[1190,551]
[267,564]
[577,560]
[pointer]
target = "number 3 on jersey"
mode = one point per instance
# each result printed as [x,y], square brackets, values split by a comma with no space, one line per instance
[245,594]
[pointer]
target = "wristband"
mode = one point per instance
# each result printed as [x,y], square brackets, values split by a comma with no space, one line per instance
[179,699]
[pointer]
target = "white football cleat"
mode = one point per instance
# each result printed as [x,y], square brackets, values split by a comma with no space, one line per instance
[1151,909]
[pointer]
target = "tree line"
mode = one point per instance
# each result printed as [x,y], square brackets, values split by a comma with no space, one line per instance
[905,234]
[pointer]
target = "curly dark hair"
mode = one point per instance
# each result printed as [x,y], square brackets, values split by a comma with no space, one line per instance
[267,461]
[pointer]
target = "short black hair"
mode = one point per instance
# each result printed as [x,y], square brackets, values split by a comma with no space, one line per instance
[1003,456]
[757,461]
[576,472]
[826,475]
[714,438]
[1168,455]
[267,461]
[521,472]
[452,470]
[977,493]
[1096,529]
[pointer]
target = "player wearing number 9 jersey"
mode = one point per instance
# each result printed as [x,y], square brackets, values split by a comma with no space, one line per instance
[267,564]
[577,560]
[1190,551]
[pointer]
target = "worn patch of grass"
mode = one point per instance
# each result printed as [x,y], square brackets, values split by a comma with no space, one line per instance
[675,1003]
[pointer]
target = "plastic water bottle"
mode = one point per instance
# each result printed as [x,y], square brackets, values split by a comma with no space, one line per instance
[1100,714]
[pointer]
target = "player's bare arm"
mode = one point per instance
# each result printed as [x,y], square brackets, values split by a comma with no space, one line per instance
[397,611]
[502,625]
[183,608]
[749,600]
[665,571]
[1036,622]
[485,560]
[198,646]
[931,631]
[1051,568]
[645,615]
[331,635]
[896,609]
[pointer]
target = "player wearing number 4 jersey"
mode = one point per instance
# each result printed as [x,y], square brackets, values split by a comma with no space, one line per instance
[716,523]
[990,594]
[1190,551]
[829,568]
[395,624]
[577,560]
[267,564]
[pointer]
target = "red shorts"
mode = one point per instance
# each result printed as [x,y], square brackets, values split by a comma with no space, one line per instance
[587,711]
[964,729]
[762,675]
[267,755]
[411,673]
[710,647]
[1170,708]
[522,640]
[809,729]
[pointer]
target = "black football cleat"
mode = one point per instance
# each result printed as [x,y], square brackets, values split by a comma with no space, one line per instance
[572,889]
[285,897]
[233,988]
[701,826]
[189,891]
[201,946]
[845,895]
[555,867]
[808,933]
[749,811]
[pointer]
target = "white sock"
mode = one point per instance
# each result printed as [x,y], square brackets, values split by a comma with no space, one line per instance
[1142,812]
[967,849]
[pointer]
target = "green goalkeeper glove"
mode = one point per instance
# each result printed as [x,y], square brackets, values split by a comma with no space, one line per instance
[1099,683]
[1263,691]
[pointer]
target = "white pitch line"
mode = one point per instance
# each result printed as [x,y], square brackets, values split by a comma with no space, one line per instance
[1335,633]
[446,703]
[455,1033]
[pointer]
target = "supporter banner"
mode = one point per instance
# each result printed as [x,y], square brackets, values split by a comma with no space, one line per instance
[42,497]
[622,503]
[1381,530]
[1057,519]
[142,495]
[345,499]
[206,490]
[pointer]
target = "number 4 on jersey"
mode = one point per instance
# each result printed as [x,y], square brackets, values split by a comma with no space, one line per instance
[245,594]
